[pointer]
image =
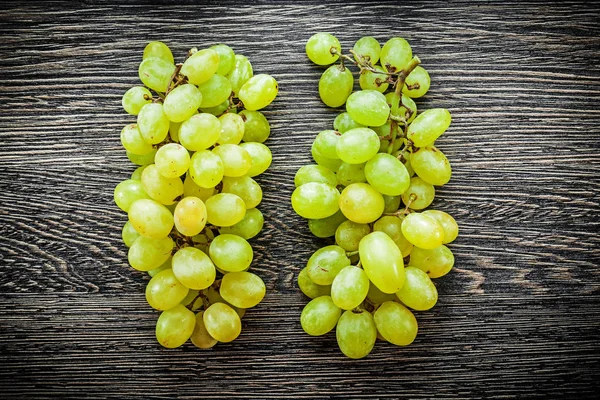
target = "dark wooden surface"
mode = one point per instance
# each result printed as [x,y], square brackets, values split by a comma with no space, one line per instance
[519,316]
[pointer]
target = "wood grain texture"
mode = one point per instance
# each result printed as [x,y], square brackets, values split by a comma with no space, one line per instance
[518,317]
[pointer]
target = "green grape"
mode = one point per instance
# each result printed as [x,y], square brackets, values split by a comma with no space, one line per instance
[419,194]
[193,268]
[396,53]
[323,48]
[435,263]
[213,296]
[172,160]
[175,326]
[326,227]
[174,131]
[369,80]
[166,265]
[159,50]
[335,85]
[162,189]
[325,263]
[314,173]
[320,316]
[150,218]
[418,292]
[232,128]
[344,122]
[431,165]
[214,91]
[164,291]
[315,200]
[242,289]
[199,132]
[218,109]
[417,83]
[127,192]
[258,92]
[201,66]
[200,336]
[367,46]
[396,323]
[190,216]
[146,253]
[261,157]
[358,145]
[348,174]
[361,203]
[133,141]
[428,126]
[135,98]
[225,209]
[392,203]
[182,102]
[390,225]
[206,169]
[137,174]
[326,143]
[244,187]
[309,288]
[368,107]
[349,287]
[387,174]
[382,261]
[376,296]
[356,333]
[349,234]
[256,126]
[423,231]
[241,72]
[226,58]
[156,73]
[236,161]
[448,224]
[190,189]
[222,322]
[248,227]
[129,234]
[231,253]
[406,162]
[330,163]
[152,123]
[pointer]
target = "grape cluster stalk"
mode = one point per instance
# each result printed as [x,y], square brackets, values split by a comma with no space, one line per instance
[192,202]
[373,180]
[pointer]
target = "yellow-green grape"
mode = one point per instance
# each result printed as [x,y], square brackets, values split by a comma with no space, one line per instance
[314,200]
[377,80]
[127,192]
[431,165]
[417,83]
[387,174]
[162,189]
[174,131]
[435,263]
[231,253]
[423,231]
[166,265]
[241,72]
[261,157]
[146,253]
[344,122]
[368,107]
[175,326]
[242,289]
[193,268]
[236,161]
[135,98]
[396,323]
[258,92]
[408,107]
[199,132]
[190,189]
[190,216]
[320,316]
[137,173]
[309,288]
[335,85]
[164,291]
[348,174]
[182,102]
[396,53]
[419,194]
[323,48]
[244,187]
[447,222]
[367,46]
[418,292]
[152,123]
[156,73]
[200,336]
[406,161]
[325,263]
[225,209]
[326,143]
[256,126]
[248,227]
[349,234]
[146,159]
[214,91]
[201,66]
[159,50]
[314,173]
[356,333]
[330,163]
[392,203]
[361,203]
[133,141]
[206,169]
[357,146]
[349,287]
[129,234]
[172,160]
[232,128]
[382,261]
[326,227]
[213,296]
[218,109]
[376,296]
[392,226]
[150,218]
[222,322]
[428,126]
[226,58]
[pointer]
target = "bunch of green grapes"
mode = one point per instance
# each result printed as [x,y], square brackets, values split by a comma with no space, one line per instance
[191,203]
[374,177]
